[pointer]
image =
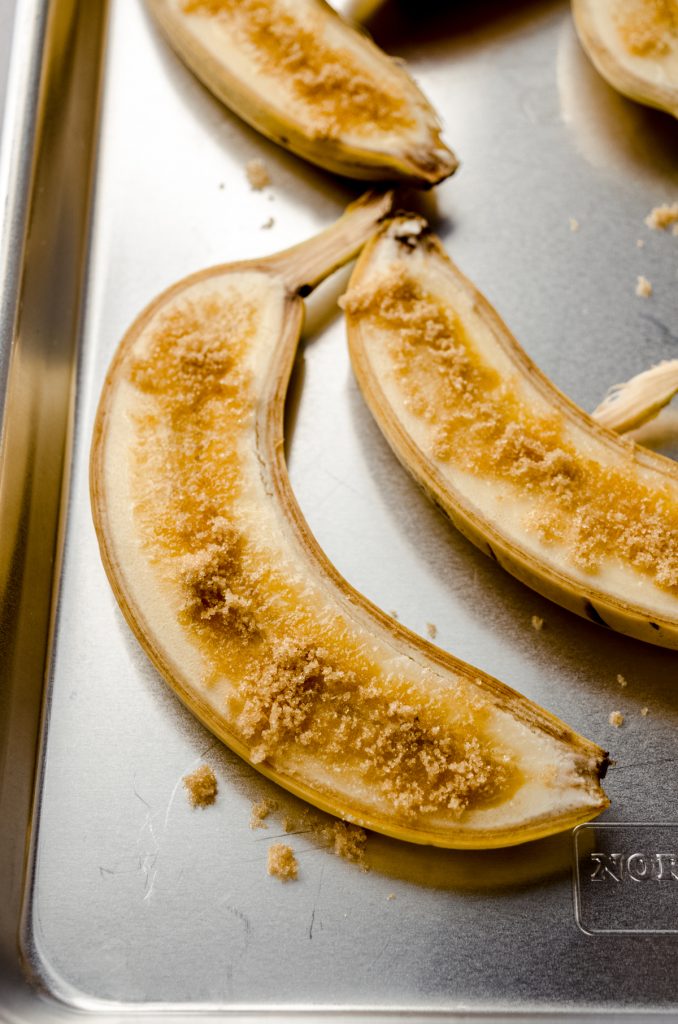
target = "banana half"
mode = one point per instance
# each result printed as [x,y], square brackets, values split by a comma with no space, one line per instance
[219,577]
[584,517]
[306,79]
[634,45]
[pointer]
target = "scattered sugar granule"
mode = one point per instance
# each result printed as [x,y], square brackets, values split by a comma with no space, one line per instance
[201,786]
[391,896]
[432,630]
[616,719]
[643,287]
[640,243]
[261,810]
[257,174]
[662,217]
[268,224]
[574,224]
[348,841]
[393,614]
[282,863]
[537,623]
[622,681]
[644,712]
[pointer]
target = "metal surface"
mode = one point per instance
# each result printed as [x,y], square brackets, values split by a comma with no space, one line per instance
[137,905]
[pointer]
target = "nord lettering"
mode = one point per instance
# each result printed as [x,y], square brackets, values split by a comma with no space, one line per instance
[637,867]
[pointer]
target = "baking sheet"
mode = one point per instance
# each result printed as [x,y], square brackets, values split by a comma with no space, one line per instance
[137,902]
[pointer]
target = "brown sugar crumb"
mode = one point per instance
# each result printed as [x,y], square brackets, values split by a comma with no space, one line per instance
[348,841]
[330,87]
[257,174]
[537,623]
[282,863]
[622,681]
[574,224]
[201,786]
[475,421]
[261,810]
[268,224]
[640,243]
[616,719]
[644,712]
[643,287]
[432,630]
[647,27]
[391,896]
[209,576]
[662,217]
[393,614]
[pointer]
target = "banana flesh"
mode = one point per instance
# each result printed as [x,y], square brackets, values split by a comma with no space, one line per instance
[219,577]
[306,79]
[584,517]
[634,46]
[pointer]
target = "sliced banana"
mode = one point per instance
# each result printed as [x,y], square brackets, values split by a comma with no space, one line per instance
[305,78]
[218,575]
[584,517]
[634,45]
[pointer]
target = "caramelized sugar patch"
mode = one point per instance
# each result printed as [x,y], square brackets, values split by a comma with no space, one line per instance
[476,421]
[202,401]
[648,28]
[335,90]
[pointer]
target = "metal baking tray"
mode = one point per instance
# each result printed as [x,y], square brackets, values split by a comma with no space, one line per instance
[120,174]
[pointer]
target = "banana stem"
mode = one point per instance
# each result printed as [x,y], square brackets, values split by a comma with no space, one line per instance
[629,405]
[304,266]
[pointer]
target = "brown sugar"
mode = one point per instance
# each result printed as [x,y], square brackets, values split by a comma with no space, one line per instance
[332,88]
[257,174]
[348,841]
[643,287]
[208,575]
[662,217]
[282,863]
[537,623]
[201,786]
[260,811]
[478,423]
[432,630]
[301,696]
[622,681]
[616,719]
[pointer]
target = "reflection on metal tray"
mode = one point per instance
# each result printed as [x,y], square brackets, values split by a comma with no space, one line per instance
[133,902]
